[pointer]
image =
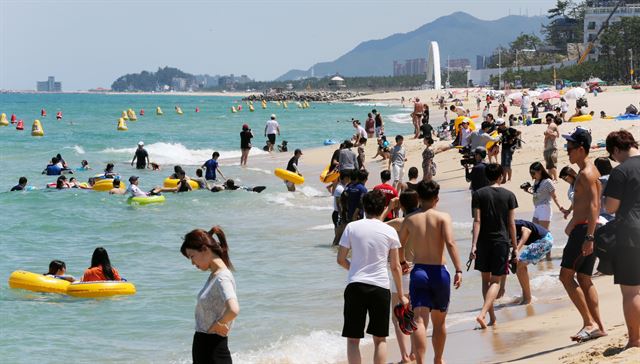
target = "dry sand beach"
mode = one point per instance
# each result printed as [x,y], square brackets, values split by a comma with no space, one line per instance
[538,333]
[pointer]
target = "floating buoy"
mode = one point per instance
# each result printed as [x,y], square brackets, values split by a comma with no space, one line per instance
[239,107]
[284,104]
[43,112]
[20,125]
[264,104]
[3,120]
[197,109]
[59,115]
[159,111]
[124,115]
[141,112]
[178,110]
[36,129]
[13,118]
[251,108]
[299,105]
[122,125]
[233,109]
[132,115]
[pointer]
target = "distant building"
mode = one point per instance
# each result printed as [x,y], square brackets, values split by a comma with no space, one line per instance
[179,84]
[481,62]
[50,85]
[459,64]
[232,81]
[597,12]
[410,67]
[336,83]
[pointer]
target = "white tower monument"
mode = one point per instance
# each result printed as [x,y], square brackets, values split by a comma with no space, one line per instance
[433,66]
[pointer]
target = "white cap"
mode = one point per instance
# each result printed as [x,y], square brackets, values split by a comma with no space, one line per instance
[141,143]
[500,121]
[273,116]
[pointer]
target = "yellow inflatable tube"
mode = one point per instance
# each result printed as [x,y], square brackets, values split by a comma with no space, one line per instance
[489,145]
[104,185]
[173,183]
[581,118]
[100,289]
[289,176]
[37,282]
[145,200]
[326,177]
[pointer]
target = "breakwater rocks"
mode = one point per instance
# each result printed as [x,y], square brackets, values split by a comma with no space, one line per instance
[304,96]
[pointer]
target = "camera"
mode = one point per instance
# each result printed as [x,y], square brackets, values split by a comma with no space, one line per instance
[525,186]
[467,157]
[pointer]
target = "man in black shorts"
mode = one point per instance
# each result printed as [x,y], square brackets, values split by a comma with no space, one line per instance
[509,142]
[578,258]
[494,229]
[372,243]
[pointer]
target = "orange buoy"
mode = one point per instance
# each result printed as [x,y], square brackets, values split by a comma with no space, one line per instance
[197,109]
[43,112]
[20,125]
[141,112]
[13,118]
[59,115]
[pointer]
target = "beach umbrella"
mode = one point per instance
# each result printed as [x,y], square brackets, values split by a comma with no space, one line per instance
[546,95]
[534,93]
[594,80]
[575,93]
[515,95]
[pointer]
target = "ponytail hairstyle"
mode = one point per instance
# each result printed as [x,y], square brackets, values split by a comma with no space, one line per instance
[101,258]
[55,266]
[199,239]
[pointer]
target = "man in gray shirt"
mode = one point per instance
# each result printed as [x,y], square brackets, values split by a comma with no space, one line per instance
[347,158]
[480,138]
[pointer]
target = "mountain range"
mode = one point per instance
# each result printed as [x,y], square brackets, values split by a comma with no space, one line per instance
[459,35]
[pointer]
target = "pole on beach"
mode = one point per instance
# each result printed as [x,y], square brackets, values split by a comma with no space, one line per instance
[499,69]
[631,71]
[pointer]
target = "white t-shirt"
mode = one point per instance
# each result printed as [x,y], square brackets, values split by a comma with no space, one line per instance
[370,241]
[336,195]
[136,191]
[272,127]
[362,132]
[564,106]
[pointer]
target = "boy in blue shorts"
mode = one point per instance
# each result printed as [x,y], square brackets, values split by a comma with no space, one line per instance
[428,233]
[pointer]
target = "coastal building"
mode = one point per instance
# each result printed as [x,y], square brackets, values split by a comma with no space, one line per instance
[410,67]
[481,62]
[50,85]
[459,64]
[596,14]
[337,83]
[179,84]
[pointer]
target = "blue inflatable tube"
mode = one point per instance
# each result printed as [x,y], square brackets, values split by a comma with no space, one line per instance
[628,117]
[330,142]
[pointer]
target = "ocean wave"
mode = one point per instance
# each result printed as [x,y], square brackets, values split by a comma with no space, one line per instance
[76,148]
[402,118]
[176,153]
[322,227]
[369,104]
[289,199]
[315,348]
[256,169]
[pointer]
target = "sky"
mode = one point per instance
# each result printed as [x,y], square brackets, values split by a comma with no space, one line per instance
[88,44]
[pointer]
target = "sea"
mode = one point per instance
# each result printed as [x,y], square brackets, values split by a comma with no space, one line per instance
[288,283]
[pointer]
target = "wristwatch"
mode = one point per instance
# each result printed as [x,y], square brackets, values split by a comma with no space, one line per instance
[589,238]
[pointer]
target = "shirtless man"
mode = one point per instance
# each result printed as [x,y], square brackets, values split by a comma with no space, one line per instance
[550,153]
[461,111]
[430,288]
[418,111]
[578,258]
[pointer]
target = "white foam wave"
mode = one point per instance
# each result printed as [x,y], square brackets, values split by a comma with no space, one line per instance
[544,282]
[257,169]
[315,348]
[378,104]
[176,153]
[462,225]
[76,148]
[312,192]
[289,199]
[403,118]
[322,227]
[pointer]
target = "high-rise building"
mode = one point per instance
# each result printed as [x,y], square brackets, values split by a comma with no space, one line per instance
[50,85]
[410,67]
[458,64]
[597,12]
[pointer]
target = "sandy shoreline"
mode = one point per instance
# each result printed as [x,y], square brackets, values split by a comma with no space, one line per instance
[538,333]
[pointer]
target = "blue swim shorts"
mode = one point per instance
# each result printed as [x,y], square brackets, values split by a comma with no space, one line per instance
[430,286]
[536,251]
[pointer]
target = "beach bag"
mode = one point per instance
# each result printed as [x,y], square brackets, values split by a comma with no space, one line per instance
[605,239]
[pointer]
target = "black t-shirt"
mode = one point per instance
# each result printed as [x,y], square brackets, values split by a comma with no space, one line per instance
[141,158]
[624,185]
[290,166]
[334,157]
[17,188]
[245,139]
[183,185]
[426,129]
[478,177]
[509,137]
[494,204]
[537,231]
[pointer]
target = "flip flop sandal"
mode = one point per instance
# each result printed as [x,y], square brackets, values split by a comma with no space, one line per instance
[400,311]
[409,318]
[582,336]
